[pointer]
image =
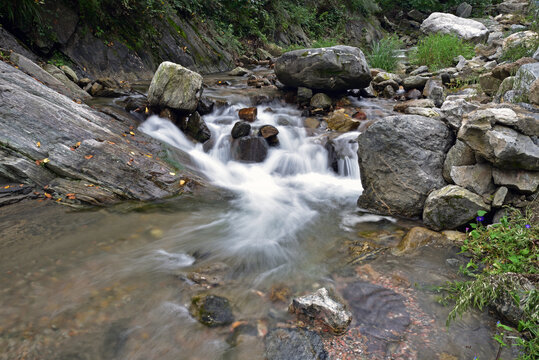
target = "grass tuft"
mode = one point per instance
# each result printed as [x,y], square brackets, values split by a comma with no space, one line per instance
[384,53]
[437,51]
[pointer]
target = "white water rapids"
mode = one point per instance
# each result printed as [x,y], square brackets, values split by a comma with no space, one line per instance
[275,199]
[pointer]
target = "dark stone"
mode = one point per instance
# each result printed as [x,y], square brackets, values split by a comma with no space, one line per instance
[196,128]
[212,310]
[241,129]
[413,94]
[294,344]
[249,149]
[205,106]
[115,340]
[136,103]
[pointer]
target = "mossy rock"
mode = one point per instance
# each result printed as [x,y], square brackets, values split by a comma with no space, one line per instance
[212,310]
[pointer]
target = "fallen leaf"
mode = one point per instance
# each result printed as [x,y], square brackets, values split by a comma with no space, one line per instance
[42,161]
[88,157]
[47,195]
[182,182]
[111,143]
[38,144]
[149,155]
[131,133]
[172,173]
[6,187]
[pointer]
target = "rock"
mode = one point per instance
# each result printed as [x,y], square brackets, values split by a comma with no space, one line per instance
[525,77]
[506,85]
[30,112]
[521,38]
[136,103]
[459,155]
[171,115]
[239,71]
[454,236]
[464,10]
[274,49]
[249,149]
[421,103]
[420,70]
[388,92]
[525,182]
[311,123]
[321,101]
[339,121]
[263,54]
[513,6]
[381,86]
[413,94]
[294,344]
[416,15]
[205,106]
[269,132]
[450,207]
[415,82]
[69,73]
[248,114]
[434,90]
[491,65]
[195,127]
[321,307]
[212,310]
[70,85]
[401,160]
[336,68]
[489,84]
[476,178]
[511,286]
[499,197]
[417,237]
[533,96]
[536,54]
[304,95]
[240,129]
[466,29]
[428,112]
[503,71]
[453,111]
[84,82]
[500,145]
[382,76]
[175,87]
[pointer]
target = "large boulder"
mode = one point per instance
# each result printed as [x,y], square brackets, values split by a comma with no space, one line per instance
[336,68]
[401,160]
[522,38]
[513,6]
[175,87]
[466,29]
[451,207]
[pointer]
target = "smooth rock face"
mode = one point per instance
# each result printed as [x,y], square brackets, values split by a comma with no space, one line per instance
[524,181]
[321,307]
[450,24]
[417,237]
[459,155]
[294,344]
[451,207]
[401,160]
[476,178]
[31,113]
[248,114]
[212,310]
[175,87]
[335,68]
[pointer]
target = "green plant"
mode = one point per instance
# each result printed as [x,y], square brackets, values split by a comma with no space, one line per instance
[508,253]
[437,51]
[384,53]
[20,12]
[525,49]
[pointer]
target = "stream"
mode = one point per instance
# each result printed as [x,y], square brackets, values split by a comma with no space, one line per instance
[116,283]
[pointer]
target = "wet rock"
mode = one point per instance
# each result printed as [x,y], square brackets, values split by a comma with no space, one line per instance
[466,29]
[401,160]
[175,87]
[240,129]
[421,103]
[464,10]
[294,344]
[249,149]
[248,114]
[321,101]
[476,178]
[170,115]
[417,237]
[136,103]
[320,306]
[239,71]
[311,123]
[335,68]
[196,127]
[524,181]
[212,310]
[210,276]
[340,121]
[459,155]
[503,71]
[450,207]
[415,82]
[489,84]
[499,197]
[269,132]
[205,106]
[304,95]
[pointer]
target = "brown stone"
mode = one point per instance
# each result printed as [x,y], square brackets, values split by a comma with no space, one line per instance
[505,70]
[248,114]
[417,237]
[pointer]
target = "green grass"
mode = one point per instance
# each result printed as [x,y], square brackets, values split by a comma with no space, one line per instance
[526,49]
[503,251]
[383,54]
[437,51]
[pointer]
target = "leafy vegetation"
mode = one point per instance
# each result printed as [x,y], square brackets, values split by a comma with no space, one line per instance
[526,49]
[507,252]
[384,53]
[428,6]
[437,51]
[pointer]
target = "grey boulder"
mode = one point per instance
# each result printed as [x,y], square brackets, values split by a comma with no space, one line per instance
[466,29]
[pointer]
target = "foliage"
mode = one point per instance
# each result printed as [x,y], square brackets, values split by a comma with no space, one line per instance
[504,251]
[438,51]
[429,6]
[20,12]
[384,53]
[526,49]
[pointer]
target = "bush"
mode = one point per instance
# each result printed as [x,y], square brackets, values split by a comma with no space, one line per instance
[384,53]
[437,51]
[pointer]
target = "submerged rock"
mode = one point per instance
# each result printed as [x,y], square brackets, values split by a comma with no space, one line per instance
[401,160]
[249,149]
[466,29]
[175,87]
[321,307]
[451,207]
[294,344]
[336,68]
[417,237]
[212,310]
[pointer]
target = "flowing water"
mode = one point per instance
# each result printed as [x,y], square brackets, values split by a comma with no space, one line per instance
[117,283]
